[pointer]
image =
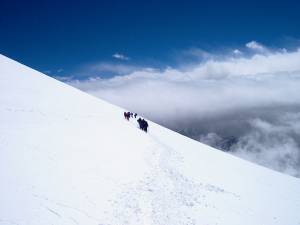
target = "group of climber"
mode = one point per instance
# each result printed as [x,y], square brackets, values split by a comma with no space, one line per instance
[142,122]
[127,115]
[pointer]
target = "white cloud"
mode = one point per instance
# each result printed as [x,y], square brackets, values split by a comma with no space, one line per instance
[253,45]
[117,69]
[64,78]
[237,52]
[215,96]
[120,56]
[272,143]
[262,78]
[197,53]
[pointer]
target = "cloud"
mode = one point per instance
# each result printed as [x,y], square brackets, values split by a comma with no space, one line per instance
[64,78]
[233,98]
[269,140]
[253,45]
[53,73]
[108,67]
[237,52]
[273,143]
[120,56]
[197,53]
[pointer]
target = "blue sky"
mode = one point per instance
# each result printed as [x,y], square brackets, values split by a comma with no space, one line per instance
[62,38]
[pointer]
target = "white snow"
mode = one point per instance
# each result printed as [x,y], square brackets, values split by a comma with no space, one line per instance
[69,158]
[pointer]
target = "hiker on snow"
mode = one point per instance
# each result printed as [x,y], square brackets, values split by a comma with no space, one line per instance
[140,123]
[127,115]
[143,124]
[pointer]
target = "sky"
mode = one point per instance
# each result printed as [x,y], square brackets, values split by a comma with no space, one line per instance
[64,38]
[225,73]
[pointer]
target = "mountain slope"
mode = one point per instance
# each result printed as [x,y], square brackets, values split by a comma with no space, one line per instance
[69,158]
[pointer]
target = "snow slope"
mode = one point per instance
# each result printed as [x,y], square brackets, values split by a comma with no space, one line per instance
[69,158]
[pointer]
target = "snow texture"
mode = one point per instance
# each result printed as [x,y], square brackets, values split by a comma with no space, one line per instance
[70,158]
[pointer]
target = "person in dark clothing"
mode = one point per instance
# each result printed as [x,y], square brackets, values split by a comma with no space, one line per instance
[135,115]
[143,124]
[127,115]
[140,123]
[146,126]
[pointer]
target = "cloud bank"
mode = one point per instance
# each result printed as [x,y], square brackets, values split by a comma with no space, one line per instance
[247,102]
